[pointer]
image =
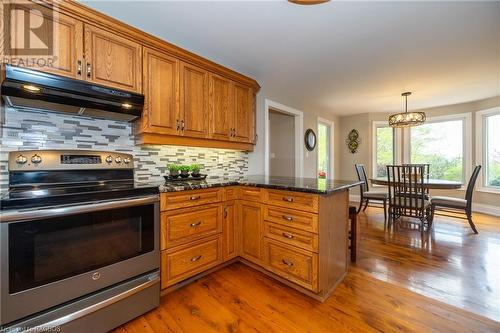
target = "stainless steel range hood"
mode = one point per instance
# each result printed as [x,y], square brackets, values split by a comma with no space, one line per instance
[26,88]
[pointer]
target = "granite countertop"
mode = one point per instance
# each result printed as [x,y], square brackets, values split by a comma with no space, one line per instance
[306,185]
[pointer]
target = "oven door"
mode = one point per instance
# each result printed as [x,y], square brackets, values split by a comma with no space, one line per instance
[55,255]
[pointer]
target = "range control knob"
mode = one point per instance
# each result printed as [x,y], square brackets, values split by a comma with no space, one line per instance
[21,159]
[109,159]
[126,160]
[118,159]
[36,159]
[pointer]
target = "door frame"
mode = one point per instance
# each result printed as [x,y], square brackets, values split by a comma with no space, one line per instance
[331,144]
[299,129]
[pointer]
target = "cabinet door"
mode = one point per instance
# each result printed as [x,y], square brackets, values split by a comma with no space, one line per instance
[221,107]
[229,232]
[250,215]
[66,34]
[112,60]
[243,123]
[161,109]
[194,101]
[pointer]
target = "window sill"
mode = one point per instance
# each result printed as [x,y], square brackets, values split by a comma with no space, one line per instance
[489,190]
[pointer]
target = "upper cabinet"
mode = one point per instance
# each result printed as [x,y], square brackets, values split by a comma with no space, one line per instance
[189,100]
[243,119]
[221,107]
[112,60]
[66,57]
[161,91]
[194,101]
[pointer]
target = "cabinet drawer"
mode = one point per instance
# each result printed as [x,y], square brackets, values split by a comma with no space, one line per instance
[292,218]
[296,265]
[294,200]
[185,225]
[231,193]
[250,193]
[303,239]
[191,260]
[175,200]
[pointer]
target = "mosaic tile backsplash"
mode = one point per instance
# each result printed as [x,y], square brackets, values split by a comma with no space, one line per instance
[37,129]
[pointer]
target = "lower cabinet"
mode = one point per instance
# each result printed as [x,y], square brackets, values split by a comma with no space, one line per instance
[250,215]
[303,245]
[230,239]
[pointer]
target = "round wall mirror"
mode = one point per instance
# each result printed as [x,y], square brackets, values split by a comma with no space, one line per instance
[310,139]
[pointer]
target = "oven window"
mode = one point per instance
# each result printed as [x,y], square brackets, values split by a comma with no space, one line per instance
[49,250]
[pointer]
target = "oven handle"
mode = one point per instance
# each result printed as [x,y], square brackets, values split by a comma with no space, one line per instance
[37,214]
[151,281]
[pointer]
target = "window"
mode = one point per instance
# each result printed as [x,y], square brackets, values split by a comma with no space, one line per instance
[383,148]
[441,142]
[488,147]
[325,146]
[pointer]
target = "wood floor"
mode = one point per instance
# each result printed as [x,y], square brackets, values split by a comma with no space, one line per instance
[402,282]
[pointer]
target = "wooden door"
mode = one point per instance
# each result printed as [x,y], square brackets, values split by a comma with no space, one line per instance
[112,60]
[229,231]
[161,90]
[193,100]
[66,33]
[243,121]
[221,107]
[250,215]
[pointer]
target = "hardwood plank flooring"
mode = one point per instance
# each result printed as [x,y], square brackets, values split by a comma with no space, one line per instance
[447,282]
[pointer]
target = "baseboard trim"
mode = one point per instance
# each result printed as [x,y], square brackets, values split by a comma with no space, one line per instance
[476,207]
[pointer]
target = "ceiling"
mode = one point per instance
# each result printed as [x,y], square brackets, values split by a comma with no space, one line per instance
[339,57]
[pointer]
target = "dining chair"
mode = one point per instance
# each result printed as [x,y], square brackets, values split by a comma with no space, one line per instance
[366,194]
[407,193]
[458,204]
[426,175]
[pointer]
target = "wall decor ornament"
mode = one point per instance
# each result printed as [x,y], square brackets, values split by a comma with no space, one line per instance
[310,139]
[353,141]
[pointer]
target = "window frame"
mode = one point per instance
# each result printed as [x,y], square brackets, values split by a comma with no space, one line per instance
[466,139]
[481,158]
[396,144]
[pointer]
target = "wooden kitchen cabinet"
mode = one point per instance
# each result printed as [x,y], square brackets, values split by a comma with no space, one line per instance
[243,119]
[161,90]
[193,101]
[67,34]
[230,233]
[112,60]
[221,107]
[250,216]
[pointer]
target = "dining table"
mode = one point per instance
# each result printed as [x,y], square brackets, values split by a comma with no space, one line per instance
[441,184]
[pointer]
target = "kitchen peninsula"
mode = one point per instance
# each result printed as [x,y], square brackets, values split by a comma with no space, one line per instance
[292,229]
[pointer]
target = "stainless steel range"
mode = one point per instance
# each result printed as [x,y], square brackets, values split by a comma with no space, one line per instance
[79,242]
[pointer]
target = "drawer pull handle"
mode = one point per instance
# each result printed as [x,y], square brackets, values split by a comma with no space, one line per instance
[287,235]
[225,212]
[287,262]
[195,197]
[194,259]
[288,199]
[195,224]
[288,218]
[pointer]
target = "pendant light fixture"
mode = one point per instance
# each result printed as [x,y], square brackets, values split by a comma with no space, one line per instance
[406,119]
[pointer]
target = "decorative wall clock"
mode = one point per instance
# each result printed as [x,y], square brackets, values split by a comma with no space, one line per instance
[353,141]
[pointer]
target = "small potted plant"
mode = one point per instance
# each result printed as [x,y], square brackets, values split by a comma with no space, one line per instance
[185,171]
[174,170]
[195,170]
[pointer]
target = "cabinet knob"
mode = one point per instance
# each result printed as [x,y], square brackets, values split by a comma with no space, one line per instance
[287,235]
[195,224]
[195,197]
[287,262]
[288,218]
[288,199]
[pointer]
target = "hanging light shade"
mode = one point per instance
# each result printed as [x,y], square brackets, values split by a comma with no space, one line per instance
[406,119]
